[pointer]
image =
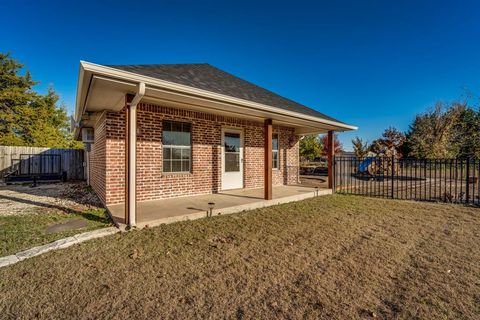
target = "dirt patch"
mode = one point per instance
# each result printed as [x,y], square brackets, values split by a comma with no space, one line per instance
[67,197]
[314,181]
[69,225]
[331,257]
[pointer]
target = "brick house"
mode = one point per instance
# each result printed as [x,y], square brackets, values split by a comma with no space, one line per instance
[166,131]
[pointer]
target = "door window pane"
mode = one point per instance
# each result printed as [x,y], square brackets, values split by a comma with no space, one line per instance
[232,142]
[232,162]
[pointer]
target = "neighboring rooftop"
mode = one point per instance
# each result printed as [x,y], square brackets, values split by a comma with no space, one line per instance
[207,77]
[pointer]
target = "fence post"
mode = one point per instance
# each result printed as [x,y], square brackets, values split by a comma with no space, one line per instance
[334,173]
[392,174]
[467,192]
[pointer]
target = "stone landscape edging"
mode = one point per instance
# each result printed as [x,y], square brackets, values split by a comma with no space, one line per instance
[55,245]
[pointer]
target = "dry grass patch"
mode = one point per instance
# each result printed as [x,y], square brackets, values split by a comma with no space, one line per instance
[28,216]
[23,232]
[330,257]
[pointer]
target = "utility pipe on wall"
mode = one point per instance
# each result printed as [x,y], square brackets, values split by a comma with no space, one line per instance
[87,156]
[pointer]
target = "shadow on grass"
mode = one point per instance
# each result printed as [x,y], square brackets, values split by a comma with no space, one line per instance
[100,216]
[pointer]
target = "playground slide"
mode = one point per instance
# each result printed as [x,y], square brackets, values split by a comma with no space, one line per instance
[363,166]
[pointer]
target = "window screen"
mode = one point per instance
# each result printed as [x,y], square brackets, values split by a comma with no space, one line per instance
[177,146]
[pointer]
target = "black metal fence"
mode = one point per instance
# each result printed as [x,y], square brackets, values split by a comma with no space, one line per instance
[447,180]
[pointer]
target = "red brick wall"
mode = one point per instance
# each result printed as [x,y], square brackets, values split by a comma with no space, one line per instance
[97,167]
[205,176]
[115,152]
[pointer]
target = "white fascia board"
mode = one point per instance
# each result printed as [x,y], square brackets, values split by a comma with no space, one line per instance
[153,82]
[81,74]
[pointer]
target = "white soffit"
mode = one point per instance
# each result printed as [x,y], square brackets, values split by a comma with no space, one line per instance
[107,94]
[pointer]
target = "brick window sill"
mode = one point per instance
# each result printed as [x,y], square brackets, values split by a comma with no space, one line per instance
[176,174]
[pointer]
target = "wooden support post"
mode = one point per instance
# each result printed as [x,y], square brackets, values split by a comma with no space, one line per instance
[268,160]
[331,153]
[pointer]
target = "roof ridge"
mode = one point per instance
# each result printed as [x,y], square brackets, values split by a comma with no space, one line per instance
[158,64]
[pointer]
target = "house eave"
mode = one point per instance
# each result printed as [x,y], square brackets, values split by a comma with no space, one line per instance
[158,89]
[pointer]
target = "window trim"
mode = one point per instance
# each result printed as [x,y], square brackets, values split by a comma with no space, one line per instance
[172,146]
[276,150]
[234,129]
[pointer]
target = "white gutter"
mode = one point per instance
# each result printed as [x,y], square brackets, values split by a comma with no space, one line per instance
[139,95]
[153,82]
[131,167]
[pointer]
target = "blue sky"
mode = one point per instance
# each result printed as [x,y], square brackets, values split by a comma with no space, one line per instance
[372,64]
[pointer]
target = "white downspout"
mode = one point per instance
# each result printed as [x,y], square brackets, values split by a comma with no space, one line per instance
[132,155]
[88,167]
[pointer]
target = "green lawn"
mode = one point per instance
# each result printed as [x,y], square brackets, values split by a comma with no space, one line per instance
[330,257]
[20,232]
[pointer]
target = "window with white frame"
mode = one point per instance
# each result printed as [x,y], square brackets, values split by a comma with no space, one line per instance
[275,161]
[177,146]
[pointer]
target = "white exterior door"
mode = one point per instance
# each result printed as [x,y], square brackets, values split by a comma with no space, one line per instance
[232,159]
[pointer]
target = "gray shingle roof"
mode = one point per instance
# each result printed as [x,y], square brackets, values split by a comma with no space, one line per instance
[207,77]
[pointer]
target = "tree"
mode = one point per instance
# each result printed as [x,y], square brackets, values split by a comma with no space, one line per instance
[310,147]
[337,145]
[465,135]
[28,118]
[390,143]
[393,138]
[360,147]
[430,134]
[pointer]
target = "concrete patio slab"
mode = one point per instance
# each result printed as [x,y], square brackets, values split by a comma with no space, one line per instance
[152,213]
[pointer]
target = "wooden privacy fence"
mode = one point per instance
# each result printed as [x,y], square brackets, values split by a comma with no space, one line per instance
[42,160]
[447,180]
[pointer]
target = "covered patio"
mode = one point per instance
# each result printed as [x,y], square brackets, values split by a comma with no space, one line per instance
[155,212]
[170,139]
